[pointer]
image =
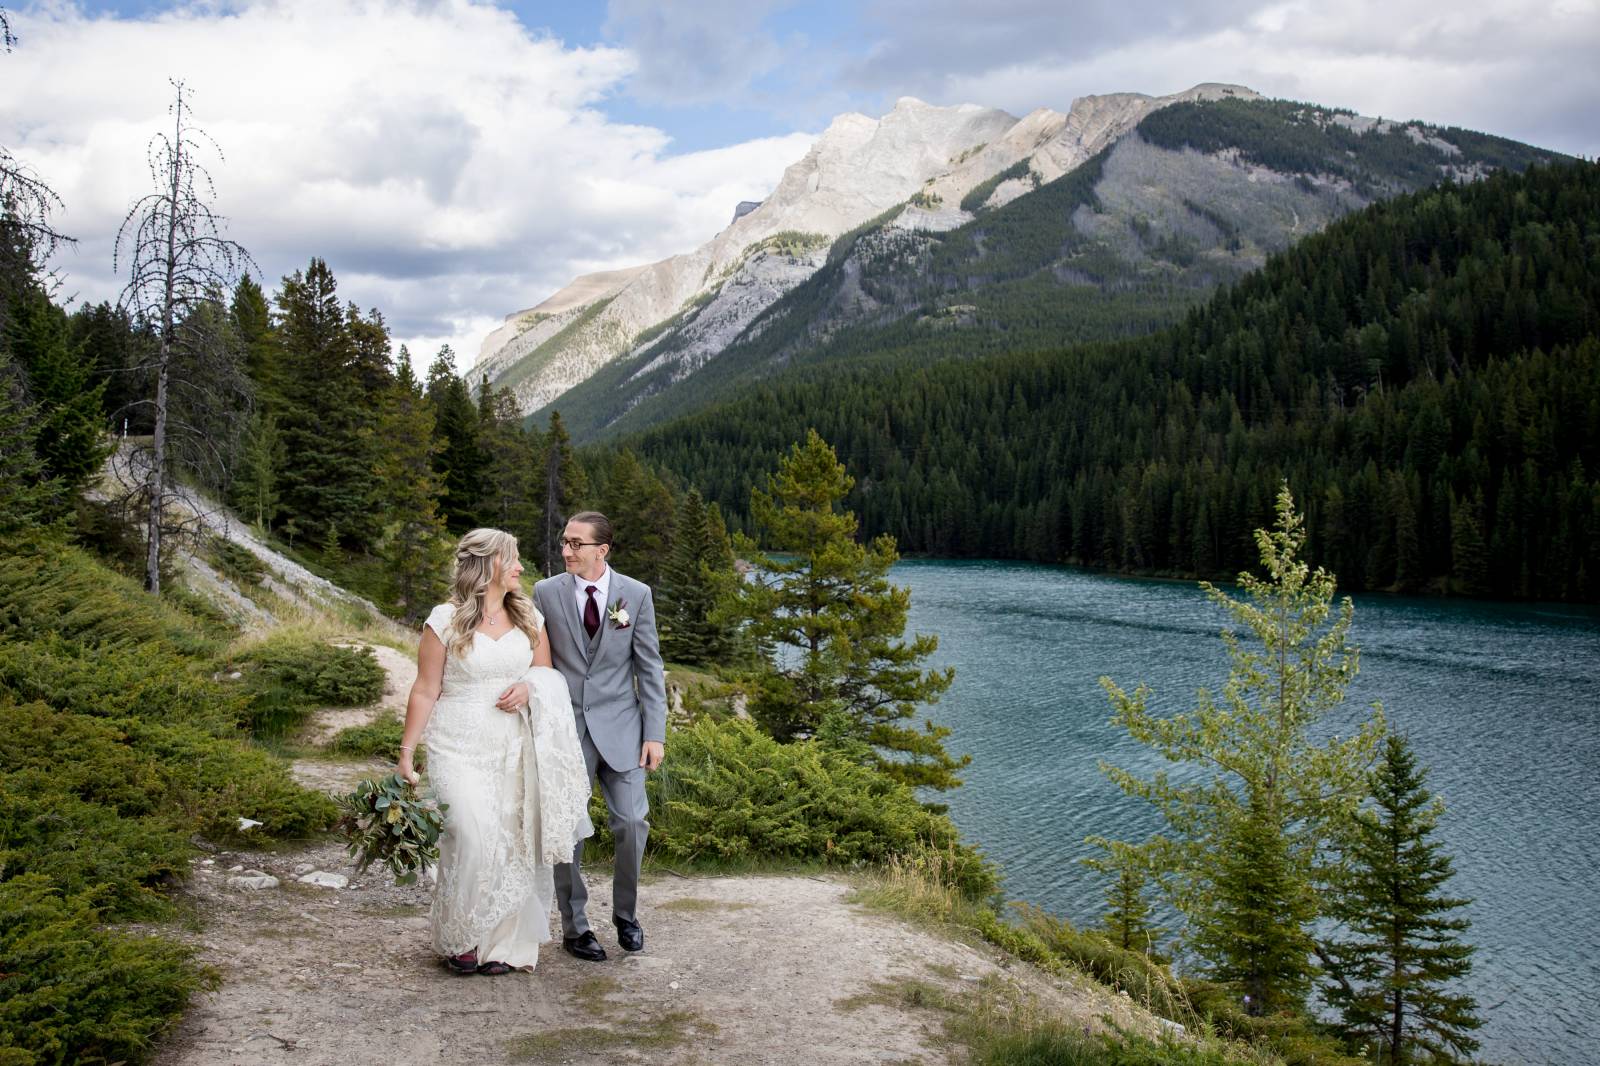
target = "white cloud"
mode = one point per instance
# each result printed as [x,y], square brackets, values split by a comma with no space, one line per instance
[701,52]
[449,166]
[1519,68]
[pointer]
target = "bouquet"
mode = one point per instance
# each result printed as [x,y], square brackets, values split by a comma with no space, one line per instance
[387,821]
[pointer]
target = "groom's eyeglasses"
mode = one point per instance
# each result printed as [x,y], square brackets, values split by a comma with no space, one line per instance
[576,544]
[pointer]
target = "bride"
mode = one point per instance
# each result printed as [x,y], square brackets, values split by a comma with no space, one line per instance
[511,771]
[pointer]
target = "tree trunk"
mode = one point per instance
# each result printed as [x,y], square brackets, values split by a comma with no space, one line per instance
[552,503]
[155,483]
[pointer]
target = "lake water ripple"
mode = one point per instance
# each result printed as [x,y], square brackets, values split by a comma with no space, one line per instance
[1501,701]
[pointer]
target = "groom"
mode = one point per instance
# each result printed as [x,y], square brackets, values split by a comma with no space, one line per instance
[603,640]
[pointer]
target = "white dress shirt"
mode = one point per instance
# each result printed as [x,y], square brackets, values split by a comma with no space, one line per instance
[602,586]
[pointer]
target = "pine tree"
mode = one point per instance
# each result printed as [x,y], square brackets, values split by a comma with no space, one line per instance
[1241,849]
[1467,549]
[563,486]
[255,488]
[1252,929]
[832,625]
[509,461]
[1402,949]
[414,550]
[1127,919]
[326,481]
[641,510]
[695,576]
[252,318]
[112,348]
[71,439]
[26,494]
[459,461]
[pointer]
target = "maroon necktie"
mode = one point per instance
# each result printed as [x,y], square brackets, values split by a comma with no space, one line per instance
[591,613]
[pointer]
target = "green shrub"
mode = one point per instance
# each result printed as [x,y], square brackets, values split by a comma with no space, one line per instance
[132,768]
[729,793]
[45,750]
[1147,982]
[52,587]
[120,682]
[81,848]
[324,674]
[379,738]
[290,674]
[116,746]
[1055,1046]
[236,562]
[215,782]
[72,991]
[1298,1039]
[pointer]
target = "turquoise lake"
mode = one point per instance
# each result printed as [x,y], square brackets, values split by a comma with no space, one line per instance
[1501,701]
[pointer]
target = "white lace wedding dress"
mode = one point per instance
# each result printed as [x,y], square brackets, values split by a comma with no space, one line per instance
[518,796]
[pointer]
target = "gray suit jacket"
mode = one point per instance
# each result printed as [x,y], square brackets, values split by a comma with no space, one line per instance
[619,693]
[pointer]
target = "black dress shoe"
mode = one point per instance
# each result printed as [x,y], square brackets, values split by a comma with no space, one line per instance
[585,947]
[630,936]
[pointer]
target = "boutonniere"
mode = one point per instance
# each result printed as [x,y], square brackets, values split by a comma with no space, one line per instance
[618,613]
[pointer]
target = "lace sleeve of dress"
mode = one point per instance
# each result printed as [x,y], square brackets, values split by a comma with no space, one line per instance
[439,621]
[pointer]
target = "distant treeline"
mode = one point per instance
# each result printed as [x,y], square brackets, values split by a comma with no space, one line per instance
[1296,138]
[1426,375]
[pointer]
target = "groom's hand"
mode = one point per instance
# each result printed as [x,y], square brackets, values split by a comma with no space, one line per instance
[651,754]
[513,697]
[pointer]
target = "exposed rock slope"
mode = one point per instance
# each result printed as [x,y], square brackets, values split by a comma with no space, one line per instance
[857,170]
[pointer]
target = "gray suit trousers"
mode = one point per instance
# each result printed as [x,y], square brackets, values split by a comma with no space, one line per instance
[627,809]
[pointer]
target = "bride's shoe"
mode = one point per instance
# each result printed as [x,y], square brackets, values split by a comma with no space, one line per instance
[494,968]
[464,963]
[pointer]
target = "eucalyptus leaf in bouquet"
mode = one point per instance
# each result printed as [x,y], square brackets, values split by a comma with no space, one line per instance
[388,821]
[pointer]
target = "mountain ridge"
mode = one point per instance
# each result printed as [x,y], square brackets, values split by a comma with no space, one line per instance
[988,252]
[859,168]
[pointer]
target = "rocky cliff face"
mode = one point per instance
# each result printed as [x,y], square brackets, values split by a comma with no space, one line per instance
[668,318]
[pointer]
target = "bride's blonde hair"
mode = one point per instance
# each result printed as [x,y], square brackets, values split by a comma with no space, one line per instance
[476,555]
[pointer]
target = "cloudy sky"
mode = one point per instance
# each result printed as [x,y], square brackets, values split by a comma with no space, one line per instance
[457,160]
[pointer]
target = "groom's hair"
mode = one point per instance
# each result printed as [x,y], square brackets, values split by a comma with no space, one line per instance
[598,522]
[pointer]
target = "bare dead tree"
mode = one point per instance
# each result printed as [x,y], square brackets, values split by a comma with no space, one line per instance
[26,204]
[179,269]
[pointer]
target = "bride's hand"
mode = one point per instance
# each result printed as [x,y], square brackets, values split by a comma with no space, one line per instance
[513,698]
[403,768]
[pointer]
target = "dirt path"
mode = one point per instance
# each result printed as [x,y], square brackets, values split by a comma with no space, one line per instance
[750,970]
[761,970]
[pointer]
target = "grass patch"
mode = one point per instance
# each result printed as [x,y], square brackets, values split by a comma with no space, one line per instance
[659,1033]
[1056,947]
[692,905]
[900,994]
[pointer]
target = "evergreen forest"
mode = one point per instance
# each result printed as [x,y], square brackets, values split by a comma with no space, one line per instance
[1425,375]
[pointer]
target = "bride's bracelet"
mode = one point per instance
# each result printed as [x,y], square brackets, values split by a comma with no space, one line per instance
[408,747]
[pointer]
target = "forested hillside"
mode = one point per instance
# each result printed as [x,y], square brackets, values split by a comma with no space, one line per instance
[1200,194]
[1426,374]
